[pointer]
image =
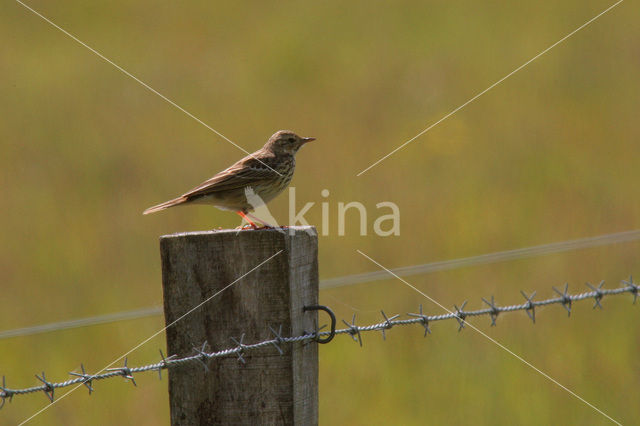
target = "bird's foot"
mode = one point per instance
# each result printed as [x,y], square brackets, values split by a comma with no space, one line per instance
[248,226]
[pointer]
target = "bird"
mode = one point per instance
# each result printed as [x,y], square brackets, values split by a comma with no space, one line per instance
[259,176]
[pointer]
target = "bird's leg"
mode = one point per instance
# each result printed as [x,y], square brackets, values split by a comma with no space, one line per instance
[257,219]
[244,216]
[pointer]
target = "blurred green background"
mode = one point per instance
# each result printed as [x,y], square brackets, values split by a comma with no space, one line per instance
[550,154]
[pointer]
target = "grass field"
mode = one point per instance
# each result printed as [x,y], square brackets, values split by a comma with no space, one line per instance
[548,155]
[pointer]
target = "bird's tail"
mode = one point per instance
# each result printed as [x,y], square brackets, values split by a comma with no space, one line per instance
[165,205]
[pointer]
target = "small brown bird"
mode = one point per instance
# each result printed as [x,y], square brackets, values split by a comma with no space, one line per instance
[265,174]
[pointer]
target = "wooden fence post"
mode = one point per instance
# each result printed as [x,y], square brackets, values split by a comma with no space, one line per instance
[269,388]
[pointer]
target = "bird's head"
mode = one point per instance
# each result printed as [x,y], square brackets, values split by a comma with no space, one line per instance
[286,142]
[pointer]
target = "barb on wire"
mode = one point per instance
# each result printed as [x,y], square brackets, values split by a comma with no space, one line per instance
[241,349]
[598,292]
[460,315]
[353,330]
[530,306]
[423,319]
[87,379]
[388,323]
[203,355]
[124,371]
[278,339]
[162,365]
[47,388]
[494,310]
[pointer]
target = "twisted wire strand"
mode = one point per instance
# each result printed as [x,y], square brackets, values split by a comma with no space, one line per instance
[565,299]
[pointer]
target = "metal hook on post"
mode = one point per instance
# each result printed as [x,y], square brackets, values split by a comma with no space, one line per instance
[332,333]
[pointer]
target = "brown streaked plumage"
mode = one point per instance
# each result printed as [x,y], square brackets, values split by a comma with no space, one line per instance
[266,172]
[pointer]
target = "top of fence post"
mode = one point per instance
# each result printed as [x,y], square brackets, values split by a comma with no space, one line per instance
[260,281]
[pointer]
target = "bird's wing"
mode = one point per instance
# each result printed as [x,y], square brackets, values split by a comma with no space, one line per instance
[249,171]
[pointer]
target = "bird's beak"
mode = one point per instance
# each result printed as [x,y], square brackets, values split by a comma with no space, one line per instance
[308,139]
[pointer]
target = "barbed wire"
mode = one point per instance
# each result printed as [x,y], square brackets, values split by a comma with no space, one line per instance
[239,349]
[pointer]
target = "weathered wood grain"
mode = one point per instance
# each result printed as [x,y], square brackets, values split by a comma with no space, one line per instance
[269,388]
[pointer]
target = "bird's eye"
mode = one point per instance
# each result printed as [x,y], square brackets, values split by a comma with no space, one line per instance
[292,140]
